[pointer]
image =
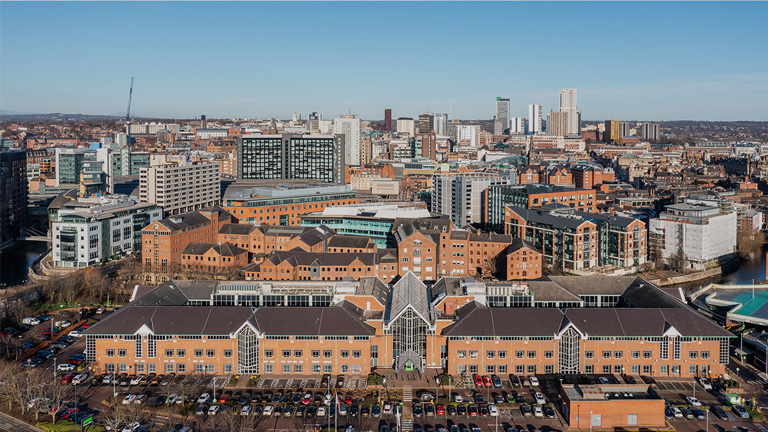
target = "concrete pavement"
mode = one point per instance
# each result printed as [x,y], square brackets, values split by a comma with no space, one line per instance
[11,424]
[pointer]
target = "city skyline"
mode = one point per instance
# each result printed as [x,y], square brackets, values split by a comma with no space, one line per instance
[659,67]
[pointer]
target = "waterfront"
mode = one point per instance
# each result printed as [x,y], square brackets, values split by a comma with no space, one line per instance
[14,265]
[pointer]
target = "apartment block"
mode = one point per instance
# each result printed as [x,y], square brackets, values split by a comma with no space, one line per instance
[180,187]
[305,157]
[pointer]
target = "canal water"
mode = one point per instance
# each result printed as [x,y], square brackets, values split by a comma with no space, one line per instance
[14,264]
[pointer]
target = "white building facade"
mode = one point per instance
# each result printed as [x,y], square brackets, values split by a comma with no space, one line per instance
[535,113]
[180,187]
[568,105]
[349,126]
[704,232]
[93,230]
[461,197]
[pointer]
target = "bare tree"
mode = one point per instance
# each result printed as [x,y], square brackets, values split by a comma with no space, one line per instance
[750,243]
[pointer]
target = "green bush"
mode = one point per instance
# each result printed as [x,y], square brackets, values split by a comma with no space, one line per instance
[375,379]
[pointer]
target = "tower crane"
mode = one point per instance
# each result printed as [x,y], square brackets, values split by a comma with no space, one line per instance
[128,116]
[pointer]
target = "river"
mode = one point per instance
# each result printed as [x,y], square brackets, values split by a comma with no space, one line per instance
[14,265]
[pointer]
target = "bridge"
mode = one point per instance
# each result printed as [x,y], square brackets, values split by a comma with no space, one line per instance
[32,234]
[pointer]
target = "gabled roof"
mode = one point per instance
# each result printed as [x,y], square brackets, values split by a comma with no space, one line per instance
[518,244]
[223,249]
[409,292]
[321,258]
[237,229]
[373,286]
[340,320]
[173,320]
[350,241]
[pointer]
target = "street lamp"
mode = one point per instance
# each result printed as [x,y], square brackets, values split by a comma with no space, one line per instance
[590,420]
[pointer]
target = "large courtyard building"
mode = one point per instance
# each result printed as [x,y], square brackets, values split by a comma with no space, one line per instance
[560,325]
[304,157]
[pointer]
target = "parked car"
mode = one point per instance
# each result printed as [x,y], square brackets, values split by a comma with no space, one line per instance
[213,410]
[65,367]
[705,383]
[676,412]
[719,413]
[496,381]
[693,401]
[526,410]
[534,381]
[549,412]
[740,411]
[31,321]
[540,398]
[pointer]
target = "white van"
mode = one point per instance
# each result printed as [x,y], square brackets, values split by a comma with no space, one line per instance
[30,321]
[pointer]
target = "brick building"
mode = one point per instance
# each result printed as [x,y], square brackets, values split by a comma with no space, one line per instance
[163,241]
[299,265]
[558,325]
[523,261]
[213,258]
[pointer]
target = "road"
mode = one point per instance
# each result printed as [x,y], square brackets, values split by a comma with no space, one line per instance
[10,424]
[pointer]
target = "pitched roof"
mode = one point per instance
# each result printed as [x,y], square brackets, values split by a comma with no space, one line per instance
[518,244]
[321,258]
[411,292]
[173,320]
[350,241]
[339,320]
[237,229]
[223,249]
[545,217]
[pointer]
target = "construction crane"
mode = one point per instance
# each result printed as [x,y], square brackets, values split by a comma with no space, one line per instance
[130,96]
[128,117]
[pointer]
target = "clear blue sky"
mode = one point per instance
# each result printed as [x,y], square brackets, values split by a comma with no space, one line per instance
[653,61]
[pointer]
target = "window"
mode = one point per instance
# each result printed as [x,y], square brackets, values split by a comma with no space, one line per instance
[549,369]
[122,353]
[286,368]
[268,368]
[287,354]
[635,354]
[461,354]
[693,354]
[519,354]
[647,354]
[531,369]
[199,353]
[490,369]
[632,419]
[344,354]
[606,369]
[297,368]
[618,354]
[181,353]
[549,354]
[315,354]
[152,367]
[110,353]
[345,368]
[228,367]
[327,368]
[606,354]
[122,367]
[168,367]
[169,353]
[692,369]
[705,354]
[490,355]
[519,369]
[502,355]
[357,354]
[664,369]
[298,353]
[210,353]
[139,367]
[531,354]
[228,353]
[617,369]
[646,369]
[327,353]
[267,353]
[589,354]
[181,367]
[473,354]
[502,369]
[635,369]
[589,369]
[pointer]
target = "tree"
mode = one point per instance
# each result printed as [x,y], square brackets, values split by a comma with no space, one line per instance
[750,243]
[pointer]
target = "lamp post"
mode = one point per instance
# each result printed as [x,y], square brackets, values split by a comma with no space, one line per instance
[590,420]
[54,368]
[707,414]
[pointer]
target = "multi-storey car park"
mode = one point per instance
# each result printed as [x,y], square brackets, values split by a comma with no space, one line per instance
[555,325]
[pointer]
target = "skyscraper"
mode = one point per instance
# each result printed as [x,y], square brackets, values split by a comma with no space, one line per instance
[426,123]
[557,123]
[612,132]
[388,119]
[406,125]
[568,105]
[517,125]
[441,124]
[534,118]
[649,131]
[502,112]
[349,126]
[13,194]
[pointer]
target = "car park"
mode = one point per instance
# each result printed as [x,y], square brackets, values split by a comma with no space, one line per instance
[128,399]
[514,380]
[140,399]
[451,410]
[376,410]
[321,411]
[136,379]
[80,379]
[201,409]
[31,321]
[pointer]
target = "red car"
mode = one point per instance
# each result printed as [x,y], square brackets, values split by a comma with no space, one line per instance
[440,410]
[85,326]
[472,410]
[348,399]
[66,379]
[487,381]
[478,380]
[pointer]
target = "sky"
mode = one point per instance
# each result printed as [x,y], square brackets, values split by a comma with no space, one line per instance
[629,61]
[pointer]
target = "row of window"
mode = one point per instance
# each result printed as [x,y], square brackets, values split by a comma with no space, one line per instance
[588,369]
[502,354]
[314,353]
[170,353]
[167,368]
[316,368]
